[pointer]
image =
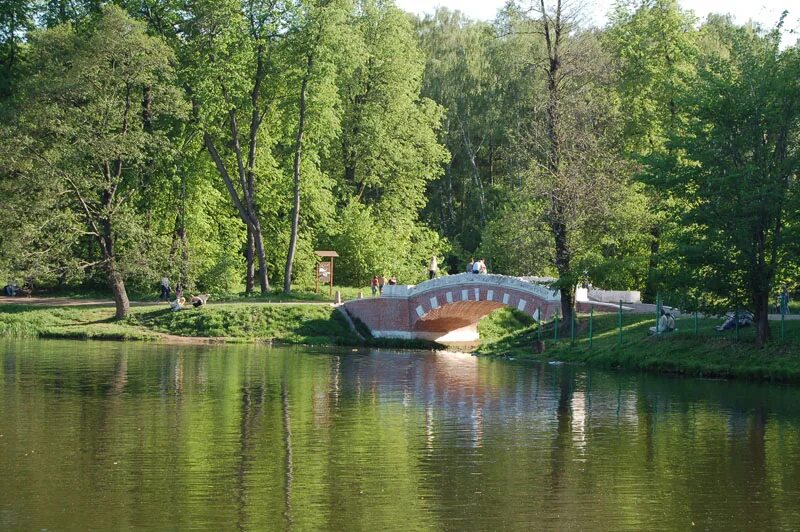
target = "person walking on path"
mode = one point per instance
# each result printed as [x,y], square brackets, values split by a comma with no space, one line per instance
[374,285]
[165,288]
[785,301]
[434,267]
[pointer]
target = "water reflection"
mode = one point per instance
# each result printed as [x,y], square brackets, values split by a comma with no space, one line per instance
[251,437]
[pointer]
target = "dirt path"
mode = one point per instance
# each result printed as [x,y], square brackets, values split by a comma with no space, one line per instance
[76,302]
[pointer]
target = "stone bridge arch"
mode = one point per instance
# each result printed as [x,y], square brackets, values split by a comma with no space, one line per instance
[449,308]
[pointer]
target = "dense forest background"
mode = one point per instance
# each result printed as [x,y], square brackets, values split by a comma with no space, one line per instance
[221,142]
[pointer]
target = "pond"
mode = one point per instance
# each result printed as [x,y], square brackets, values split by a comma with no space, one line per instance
[118,436]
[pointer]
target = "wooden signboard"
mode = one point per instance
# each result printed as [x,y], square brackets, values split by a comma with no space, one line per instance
[325,270]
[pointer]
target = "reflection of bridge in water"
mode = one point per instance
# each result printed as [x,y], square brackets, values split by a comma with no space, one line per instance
[449,308]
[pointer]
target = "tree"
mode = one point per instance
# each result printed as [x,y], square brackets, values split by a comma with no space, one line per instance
[739,178]
[461,75]
[572,137]
[230,60]
[82,128]
[319,35]
[654,42]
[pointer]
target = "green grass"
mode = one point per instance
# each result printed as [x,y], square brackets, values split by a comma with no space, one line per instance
[301,324]
[707,353]
[503,323]
[66,322]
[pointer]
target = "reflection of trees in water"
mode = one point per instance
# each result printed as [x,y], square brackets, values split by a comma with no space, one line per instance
[252,402]
[288,460]
[468,433]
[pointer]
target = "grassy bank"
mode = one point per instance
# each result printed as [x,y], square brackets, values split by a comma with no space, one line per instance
[705,353]
[232,322]
[297,324]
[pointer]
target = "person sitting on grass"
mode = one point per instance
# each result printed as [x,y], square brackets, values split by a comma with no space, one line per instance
[670,322]
[199,301]
[663,324]
[178,303]
[11,289]
[744,319]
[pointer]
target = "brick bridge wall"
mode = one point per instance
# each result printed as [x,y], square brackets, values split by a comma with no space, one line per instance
[435,308]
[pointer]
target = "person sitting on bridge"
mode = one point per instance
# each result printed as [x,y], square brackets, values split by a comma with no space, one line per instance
[393,280]
[471,263]
[476,266]
[483,266]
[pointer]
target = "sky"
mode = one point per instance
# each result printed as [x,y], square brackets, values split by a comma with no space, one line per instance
[767,12]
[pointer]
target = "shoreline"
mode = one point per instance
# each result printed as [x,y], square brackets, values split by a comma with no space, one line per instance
[278,323]
[705,353]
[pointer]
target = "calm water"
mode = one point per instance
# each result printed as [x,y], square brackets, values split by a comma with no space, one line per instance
[131,436]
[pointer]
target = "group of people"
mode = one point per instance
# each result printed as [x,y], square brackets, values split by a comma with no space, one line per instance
[378,282]
[180,303]
[666,323]
[476,266]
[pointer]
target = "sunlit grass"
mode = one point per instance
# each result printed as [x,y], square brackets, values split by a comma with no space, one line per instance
[703,351]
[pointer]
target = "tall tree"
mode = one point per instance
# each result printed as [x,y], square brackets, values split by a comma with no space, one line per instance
[230,53]
[83,130]
[321,32]
[654,42]
[388,148]
[572,138]
[739,175]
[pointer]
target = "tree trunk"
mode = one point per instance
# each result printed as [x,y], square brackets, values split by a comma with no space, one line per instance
[121,302]
[298,156]
[651,289]
[563,264]
[761,316]
[251,269]
[262,259]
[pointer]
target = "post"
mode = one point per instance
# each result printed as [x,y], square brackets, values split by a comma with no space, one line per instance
[658,314]
[572,327]
[591,319]
[555,329]
[330,291]
[541,321]
[620,322]
[783,315]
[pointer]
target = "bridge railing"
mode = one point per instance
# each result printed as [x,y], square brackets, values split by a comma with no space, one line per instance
[471,279]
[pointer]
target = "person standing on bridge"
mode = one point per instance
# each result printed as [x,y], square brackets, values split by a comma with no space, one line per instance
[434,267]
[471,263]
[381,282]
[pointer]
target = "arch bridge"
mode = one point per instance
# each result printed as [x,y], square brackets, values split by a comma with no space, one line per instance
[447,309]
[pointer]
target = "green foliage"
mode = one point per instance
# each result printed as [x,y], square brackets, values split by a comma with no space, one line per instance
[368,247]
[738,179]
